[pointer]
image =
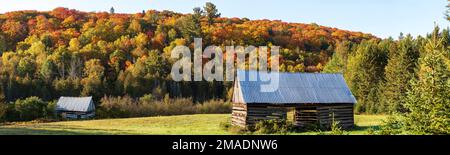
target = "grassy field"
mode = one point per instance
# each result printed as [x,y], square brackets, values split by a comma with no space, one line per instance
[183,124]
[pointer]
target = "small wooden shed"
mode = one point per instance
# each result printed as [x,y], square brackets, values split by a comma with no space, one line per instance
[317,98]
[75,107]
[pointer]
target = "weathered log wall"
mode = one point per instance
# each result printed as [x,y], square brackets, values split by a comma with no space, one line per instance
[239,115]
[305,116]
[248,115]
[322,115]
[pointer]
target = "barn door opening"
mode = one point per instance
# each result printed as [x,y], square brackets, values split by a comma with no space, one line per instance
[306,116]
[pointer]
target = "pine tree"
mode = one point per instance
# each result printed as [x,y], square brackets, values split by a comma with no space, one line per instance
[398,72]
[111,11]
[364,72]
[188,28]
[447,13]
[428,99]
[338,61]
[211,12]
[197,13]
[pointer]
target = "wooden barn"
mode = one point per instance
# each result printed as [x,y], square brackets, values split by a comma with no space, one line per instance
[75,107]
[317,98]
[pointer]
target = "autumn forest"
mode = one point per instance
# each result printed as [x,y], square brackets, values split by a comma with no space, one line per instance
[77,53]
[65,52]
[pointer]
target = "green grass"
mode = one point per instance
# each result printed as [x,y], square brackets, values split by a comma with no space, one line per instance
[208,124]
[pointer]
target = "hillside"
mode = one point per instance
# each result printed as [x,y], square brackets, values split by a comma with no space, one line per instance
[73,53]
[183,124]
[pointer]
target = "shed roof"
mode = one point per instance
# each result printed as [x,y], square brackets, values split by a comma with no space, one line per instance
[293,88]
[78,104]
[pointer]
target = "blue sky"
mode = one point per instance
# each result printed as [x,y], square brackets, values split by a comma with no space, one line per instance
[382,18]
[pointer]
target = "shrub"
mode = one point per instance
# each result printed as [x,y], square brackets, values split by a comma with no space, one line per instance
[273,126]
[30,108]
[117,107]
[214,106]
[50,111]
[11,113]
[233,129]
[393,126]
[147,98]
[336,128]
[371,131]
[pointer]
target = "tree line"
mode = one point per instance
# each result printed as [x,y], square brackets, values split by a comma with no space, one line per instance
[380,72]
[408,78]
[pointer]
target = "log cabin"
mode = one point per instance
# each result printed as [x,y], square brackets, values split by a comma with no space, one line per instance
[75,107]
[316,99]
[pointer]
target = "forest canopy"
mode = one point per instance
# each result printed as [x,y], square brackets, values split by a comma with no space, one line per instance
[65,52]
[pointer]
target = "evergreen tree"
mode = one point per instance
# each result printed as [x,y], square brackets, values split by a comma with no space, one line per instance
[188,27]
[335,65]
[197,13]
[338,61]
[398,72]
[111,11]
[211,12]
[364,72]
[447,13]
[428,100]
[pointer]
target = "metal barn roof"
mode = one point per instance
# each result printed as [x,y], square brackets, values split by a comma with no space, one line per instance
[79,104]
[293,88]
